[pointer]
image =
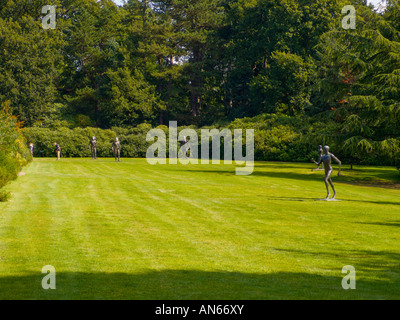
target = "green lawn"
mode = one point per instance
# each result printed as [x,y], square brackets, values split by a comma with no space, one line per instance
[130,230]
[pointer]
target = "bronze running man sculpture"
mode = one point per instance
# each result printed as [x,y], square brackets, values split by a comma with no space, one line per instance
[326,159]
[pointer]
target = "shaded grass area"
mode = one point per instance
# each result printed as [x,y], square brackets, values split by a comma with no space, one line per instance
[192,285]
[133,231]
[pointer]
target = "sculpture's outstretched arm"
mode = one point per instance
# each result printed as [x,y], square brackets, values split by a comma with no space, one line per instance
[339,162]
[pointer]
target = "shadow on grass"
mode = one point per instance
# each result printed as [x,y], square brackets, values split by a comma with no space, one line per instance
[387,224]
[284,165]
[380,178]
[384,265]
[191,285]
[271,174]
[302,199]
[383,170]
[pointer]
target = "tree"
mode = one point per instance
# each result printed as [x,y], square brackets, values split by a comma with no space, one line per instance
[131,99]
[91,49]
[256,31]
[283,87]
[362,68]
[29,67]
[151,47]
[194,23]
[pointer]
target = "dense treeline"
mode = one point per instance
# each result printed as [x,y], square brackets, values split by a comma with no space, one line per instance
[13,150]
[209,62]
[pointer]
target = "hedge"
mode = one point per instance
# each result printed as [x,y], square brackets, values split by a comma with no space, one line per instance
[276,138]
[75,142]
[274,141]
[14,153]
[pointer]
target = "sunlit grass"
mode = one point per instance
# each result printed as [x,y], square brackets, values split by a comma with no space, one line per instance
[130,230]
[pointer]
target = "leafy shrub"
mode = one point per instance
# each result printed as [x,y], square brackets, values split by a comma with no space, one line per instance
[4,196]
[13,150]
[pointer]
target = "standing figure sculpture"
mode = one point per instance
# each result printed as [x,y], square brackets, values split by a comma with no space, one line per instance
[116,146]
[326,159]
[319,158]
[31,149]
[185,148]
[93,147]
[57,150]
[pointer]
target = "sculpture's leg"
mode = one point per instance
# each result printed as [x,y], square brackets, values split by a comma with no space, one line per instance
[327,178]
[327,189]
[333,188]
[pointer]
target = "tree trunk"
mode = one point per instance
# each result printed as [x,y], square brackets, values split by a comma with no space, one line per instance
[196,83]
[144,2]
